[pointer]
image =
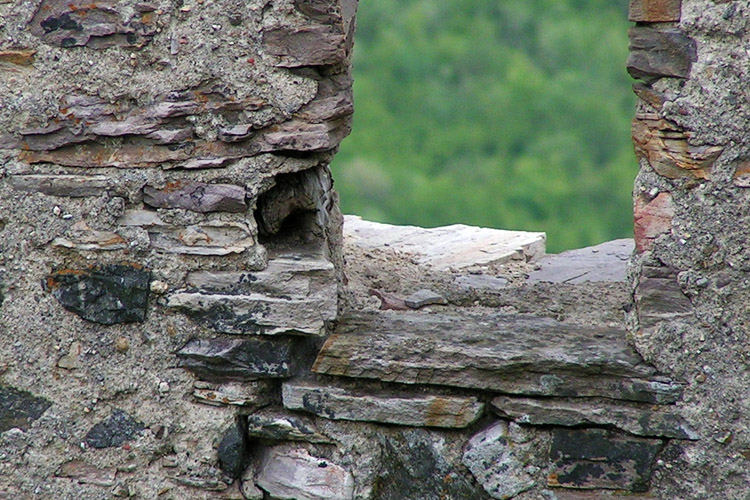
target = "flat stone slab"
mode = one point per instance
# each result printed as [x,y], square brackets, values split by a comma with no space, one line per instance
[601,263]
[416,411]
[457,246]
[278,427]
[512,354]
[569,413]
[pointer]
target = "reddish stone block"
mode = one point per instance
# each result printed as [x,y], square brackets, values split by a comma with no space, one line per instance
[655,11]
[652,219]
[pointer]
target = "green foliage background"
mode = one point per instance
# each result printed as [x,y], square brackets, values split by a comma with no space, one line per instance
[499,113]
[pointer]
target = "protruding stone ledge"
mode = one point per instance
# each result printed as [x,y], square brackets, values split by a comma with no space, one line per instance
[279,427]
[570,413]
[655,53]
[510,354]
[417,411]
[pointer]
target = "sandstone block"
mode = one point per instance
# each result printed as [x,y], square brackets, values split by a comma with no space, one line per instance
[653,218]
[418,411]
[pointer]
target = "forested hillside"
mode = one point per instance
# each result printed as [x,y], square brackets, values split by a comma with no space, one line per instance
[499,113]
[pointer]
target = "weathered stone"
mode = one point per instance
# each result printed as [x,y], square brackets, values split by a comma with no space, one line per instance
[108,294]
[248,488]
[388,302]
[61,185]
[94,24]
[197,196]
[295,474]
[417,411]
[424,297]
[480,282]
[82,237]
[297,277]
[18,409]
[655,53]
[668,151]
[568,413]
[598,458]
[72,361]
[308,45]
[233,450]
[253,313]
[202,483]
[413,464]
[606,262]
[658,297]
[655,11]
[595,495]
[498,463]
[241,359]
[447,247]
[296,135]
[209,238]
[19,57]
[248,393]
[653,218]
[511,354]
[115,430]
[87,474]
[280,427]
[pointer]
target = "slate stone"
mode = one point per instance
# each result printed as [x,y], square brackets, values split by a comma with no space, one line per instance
[74,186]
[414,410]
[598,458]
[424,297]
[197,196]
[233,450]
[313,44]
[115,430]
[514,354]
[498,462]
[279,427]
[86,473]
[606,262]
[18,409]
[655,53]
[659,297]
[293,473]
[107,294]
[247,394]
[573,413]
[413,467]
[241,359]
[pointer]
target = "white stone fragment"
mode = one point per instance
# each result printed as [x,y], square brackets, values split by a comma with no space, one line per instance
[457,246]
[294,474]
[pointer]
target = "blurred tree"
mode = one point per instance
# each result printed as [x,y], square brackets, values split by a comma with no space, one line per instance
[503,114]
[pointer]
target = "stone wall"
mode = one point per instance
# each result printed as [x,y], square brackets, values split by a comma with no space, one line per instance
[692,208]
[164,183]
[178,322]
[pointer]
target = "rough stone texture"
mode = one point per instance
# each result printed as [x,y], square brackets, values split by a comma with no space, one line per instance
[281,427]
[113,431]
[598,458]
[600,263]
[413,410]
[295,474]
[657,52]
[19,409]
[232,450]
[571,413]
[246,359]
[512,354]
[107,294]
[690,285]
[164,135]
[498,461]
[655,11]
[447,247]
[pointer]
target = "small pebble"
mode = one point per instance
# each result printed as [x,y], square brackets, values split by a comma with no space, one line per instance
[122,344]
[700,378]
[163,387]
[159,287]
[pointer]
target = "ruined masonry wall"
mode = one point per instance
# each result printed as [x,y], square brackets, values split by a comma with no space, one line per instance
[692,213]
